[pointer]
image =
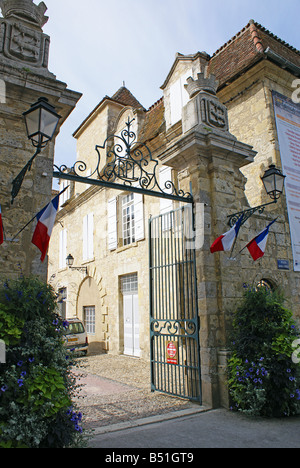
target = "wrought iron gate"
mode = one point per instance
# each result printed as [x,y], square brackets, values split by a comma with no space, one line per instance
[174,320]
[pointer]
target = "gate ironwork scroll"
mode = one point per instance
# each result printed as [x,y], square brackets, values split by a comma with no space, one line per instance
[174,320]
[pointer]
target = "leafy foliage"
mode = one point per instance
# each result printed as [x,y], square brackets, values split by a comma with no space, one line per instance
[36,383]
[263,379]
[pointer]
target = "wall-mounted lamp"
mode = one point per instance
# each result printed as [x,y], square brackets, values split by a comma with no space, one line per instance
[273,181]
[70,262]
[41,122]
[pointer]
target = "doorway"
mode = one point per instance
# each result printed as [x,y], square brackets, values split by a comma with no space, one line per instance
[131,320]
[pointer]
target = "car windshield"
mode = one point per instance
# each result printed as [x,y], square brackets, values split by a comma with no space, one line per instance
[75,328]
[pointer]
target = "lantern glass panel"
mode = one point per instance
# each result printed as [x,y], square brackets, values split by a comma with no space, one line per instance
[48,124]
[32,120]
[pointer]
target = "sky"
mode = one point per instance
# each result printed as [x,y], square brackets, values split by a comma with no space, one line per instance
[96,45]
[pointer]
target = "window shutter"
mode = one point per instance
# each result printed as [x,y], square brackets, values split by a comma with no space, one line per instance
[62,248]
[139,217]
[84,238]
[179,97]
[175,102]
[112,224]
[90,235]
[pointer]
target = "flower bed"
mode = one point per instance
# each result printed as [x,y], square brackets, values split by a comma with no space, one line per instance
[264,379]
[36,382]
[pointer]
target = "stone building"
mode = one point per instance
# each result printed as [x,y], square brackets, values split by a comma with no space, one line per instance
[24,78]
[213,132]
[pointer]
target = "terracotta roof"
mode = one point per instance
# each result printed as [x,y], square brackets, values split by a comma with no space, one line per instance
[245,49]
[125,97]
[154,119]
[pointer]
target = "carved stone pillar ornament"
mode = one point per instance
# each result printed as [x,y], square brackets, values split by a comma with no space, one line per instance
[204,107]
[21,37]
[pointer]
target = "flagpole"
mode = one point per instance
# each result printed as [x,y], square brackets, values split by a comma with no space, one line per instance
[36,215]
[230,258]
[254,238]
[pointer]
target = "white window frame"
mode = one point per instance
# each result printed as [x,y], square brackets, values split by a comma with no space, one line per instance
[89,318]
[128,219]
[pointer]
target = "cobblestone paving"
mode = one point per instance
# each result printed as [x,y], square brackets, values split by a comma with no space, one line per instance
[116,389]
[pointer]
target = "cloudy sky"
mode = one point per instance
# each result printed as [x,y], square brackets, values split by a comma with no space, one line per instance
[98,44]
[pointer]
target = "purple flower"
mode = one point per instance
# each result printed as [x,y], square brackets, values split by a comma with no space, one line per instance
[23,374]
[20,363]
[4,388]
[31,359]
[20,382]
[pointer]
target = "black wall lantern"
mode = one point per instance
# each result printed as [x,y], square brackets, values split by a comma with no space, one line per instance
[70,262]
[273,181]
[41,122]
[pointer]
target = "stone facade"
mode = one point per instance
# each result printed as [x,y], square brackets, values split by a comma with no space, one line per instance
[24,77]
[219,140]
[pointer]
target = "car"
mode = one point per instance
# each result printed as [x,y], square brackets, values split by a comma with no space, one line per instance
[76,336]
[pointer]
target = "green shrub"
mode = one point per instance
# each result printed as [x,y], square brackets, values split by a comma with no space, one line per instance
[263,379]
[36,383]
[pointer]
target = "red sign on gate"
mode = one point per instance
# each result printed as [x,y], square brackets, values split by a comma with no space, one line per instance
[172,352]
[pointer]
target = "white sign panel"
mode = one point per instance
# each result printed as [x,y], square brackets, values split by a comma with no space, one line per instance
[287,115]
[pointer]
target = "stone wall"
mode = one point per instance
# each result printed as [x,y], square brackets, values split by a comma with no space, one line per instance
[25,77]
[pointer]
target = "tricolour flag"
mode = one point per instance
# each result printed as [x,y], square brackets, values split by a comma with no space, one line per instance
[46,219]
[225,241]
[1,228]
[257,246]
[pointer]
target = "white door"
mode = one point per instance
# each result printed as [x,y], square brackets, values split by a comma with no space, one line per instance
[131,324]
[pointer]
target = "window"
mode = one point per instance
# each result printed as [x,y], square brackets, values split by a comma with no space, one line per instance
[62,248]
[128,224]
[89,319]
[88,237]
[129,283]
[129,210]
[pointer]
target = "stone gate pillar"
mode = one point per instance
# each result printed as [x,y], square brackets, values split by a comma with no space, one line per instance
[24,77]
[210,157]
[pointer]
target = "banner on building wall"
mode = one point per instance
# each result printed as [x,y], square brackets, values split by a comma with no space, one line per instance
[287,116]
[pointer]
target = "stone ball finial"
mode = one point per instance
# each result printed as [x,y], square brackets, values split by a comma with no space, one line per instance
[25,9]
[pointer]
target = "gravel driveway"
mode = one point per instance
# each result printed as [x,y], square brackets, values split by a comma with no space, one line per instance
[116,389]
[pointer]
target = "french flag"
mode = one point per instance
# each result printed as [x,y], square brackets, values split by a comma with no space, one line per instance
[1,228]
[46,219]
[225,241]
[257,246]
